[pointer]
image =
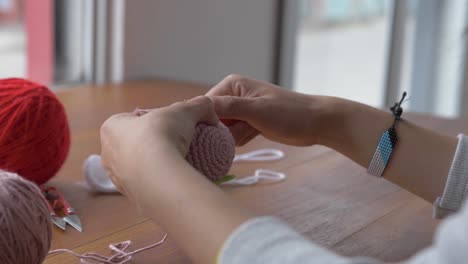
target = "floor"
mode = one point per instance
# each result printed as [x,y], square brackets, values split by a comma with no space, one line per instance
[12,51]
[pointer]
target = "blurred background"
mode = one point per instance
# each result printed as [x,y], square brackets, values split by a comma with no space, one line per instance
[365,50]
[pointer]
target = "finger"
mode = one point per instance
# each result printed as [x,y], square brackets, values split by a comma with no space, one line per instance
[122,116]
[228,122]
[115,181]
[225,87]
[201,109]
[106,151]
[233,107]
[140,112]
[115,122]
[240,131]
[254,133]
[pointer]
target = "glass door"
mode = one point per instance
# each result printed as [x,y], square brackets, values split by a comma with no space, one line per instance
[341,48]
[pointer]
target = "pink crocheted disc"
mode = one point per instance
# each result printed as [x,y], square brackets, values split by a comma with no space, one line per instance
[212,150]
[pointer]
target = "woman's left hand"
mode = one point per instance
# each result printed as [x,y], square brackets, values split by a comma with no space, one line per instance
[162,136]
[145,157]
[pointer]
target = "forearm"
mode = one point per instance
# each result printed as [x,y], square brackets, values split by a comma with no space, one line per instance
[197,214]
[420,161]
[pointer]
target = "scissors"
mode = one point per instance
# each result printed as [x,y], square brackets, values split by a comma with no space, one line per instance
[56,203]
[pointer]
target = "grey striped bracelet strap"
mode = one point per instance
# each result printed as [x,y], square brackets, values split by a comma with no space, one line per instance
[387,143]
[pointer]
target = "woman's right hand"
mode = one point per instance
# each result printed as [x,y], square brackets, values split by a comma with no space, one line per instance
[262,108]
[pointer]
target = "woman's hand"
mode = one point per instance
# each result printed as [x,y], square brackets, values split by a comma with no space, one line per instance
[161,136]
[145,157]
[349,127]
[262,108]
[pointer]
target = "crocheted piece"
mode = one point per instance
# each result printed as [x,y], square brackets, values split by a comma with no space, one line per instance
[212,151]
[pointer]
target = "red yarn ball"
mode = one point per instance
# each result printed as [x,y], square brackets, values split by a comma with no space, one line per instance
[34,131]
[212,150]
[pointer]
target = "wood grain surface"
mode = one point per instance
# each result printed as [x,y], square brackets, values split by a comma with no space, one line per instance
[326,196]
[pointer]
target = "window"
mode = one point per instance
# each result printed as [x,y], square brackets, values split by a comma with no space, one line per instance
[341,49]
[41,40]
[12,39]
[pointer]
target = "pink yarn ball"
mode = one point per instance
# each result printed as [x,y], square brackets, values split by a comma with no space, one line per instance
[212,150]
[25,225]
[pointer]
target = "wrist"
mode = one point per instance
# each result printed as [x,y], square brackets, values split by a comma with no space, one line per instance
[352,128]
[331,118]
[162,180]
[152,163]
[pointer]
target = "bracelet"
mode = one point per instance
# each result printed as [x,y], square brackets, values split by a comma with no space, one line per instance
[387,143]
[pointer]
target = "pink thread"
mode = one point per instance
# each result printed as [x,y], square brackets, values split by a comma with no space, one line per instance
[120,256]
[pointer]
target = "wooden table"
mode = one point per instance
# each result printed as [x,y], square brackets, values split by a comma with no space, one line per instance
[326,196]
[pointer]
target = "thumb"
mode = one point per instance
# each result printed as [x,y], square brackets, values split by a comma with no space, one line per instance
[202,109]
[233,107]
[115,124]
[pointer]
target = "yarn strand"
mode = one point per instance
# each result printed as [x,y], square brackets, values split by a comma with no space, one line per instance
[120,255]
[267,154]
[263,175]
[260,175]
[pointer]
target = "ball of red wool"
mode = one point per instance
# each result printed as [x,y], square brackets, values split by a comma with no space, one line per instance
[34,131]
[212,150]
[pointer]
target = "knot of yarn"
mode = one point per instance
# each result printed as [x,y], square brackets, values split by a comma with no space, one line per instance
[34,131]
[212,150]
[25,225]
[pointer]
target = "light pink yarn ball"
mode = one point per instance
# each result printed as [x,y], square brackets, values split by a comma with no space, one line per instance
[212,151]
[25,226]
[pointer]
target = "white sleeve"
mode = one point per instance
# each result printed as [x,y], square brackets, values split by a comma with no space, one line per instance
[268,240]
[456,186]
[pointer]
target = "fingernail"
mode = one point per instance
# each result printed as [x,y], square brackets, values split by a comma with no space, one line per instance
[140,112]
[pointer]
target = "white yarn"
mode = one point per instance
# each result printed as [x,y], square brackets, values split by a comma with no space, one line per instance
[96,176]
[99,181]
[260,155]
[260,175]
